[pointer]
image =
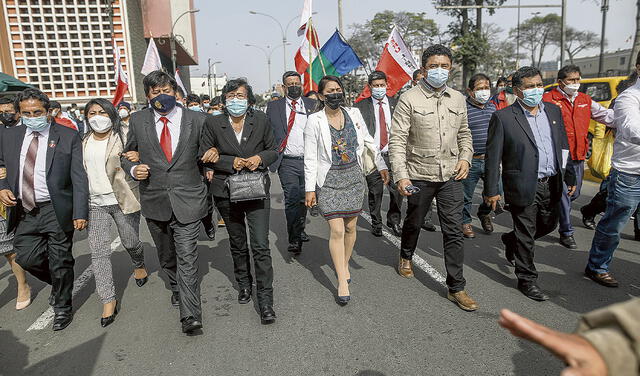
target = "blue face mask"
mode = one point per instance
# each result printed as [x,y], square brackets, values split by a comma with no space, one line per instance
[195,108]
[378,92]
[216,112]
[237,107]
[532,97]
[36,124]
[163,103]
[437,77]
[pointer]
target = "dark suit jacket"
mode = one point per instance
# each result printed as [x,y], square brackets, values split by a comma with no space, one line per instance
[277,115]
[511,143]
[367,109]
[257,139]
[66,177]
[172,188]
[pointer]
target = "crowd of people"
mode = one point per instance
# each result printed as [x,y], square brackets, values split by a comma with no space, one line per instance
[180,156]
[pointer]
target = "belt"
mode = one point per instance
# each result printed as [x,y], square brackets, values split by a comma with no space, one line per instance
[545,179]
[478,156]
[293,157]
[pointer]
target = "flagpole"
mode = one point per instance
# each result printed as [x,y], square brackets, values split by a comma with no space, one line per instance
[310,30]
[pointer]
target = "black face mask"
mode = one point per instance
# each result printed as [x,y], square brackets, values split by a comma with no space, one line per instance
[294,92]
[334,100]
[8,120]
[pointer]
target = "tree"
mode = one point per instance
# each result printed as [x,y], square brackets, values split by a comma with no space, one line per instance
[635,49]
[577,41]
[367,50]
[500,58]
[538,33]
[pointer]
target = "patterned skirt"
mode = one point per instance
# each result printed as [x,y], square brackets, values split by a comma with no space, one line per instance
[6,241]
[342,193]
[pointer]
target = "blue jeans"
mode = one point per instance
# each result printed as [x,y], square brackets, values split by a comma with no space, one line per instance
[565,228]
[476,172]
[623,198]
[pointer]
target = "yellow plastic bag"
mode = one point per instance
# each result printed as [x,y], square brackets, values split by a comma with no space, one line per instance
[602,149]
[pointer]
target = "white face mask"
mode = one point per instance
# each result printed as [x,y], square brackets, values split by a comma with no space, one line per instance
[571,89]
[482,96]
[100,123]
[123,113]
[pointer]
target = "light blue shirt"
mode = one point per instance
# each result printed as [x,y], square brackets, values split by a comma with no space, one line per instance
[541,129]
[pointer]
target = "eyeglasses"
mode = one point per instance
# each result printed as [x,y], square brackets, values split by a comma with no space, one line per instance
[236,95]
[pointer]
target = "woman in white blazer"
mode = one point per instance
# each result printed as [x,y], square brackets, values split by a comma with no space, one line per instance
[335,143]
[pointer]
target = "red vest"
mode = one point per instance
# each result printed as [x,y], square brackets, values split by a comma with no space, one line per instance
[576,117]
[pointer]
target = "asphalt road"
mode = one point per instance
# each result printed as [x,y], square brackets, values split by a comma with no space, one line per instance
[392,326]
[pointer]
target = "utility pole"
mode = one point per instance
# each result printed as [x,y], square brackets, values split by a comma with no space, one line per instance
[604,9]
[518,39]
[340,25]
[635,47]
[563,33]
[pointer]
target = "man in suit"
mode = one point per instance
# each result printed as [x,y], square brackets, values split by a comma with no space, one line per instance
[377,112]
[47,193]
[529,140]
[173,196]
[288,117]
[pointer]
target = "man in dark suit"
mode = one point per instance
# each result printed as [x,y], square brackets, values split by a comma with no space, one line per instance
[528,138]
[288,118]
[173,196]
[377,112]
[47,193]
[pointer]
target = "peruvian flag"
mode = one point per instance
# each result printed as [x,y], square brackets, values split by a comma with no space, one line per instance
[396,62]
[122,80]
[308,49]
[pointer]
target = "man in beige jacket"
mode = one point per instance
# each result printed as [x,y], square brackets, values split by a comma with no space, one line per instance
[607,341]
[430,151]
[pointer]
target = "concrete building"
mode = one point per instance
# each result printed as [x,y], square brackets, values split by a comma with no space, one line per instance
[64,47]
[615,64]
[200,85]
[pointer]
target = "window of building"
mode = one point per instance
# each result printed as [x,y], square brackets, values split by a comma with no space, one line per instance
[623,60]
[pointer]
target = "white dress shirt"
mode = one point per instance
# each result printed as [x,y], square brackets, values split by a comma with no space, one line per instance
[598,112]
[40,168]
[95,159]
[295,142]
[387,119]
[626,148]
[175,118]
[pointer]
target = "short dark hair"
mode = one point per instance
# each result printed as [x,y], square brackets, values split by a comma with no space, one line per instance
[31,93]
[564,71]
[205,97]
[111,111]
[323,83]
[524,72]
[288,74]
[310,93]
[478,77]
[180,92]
[216,100]
[158,78]
[193,98]
[436,49]
[502,80]
[6,100]
[55,104]
[377,75]
[233,85]
[415,74]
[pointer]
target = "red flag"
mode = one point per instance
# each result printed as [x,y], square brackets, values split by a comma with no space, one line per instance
[122,80]
[306,54]
[396,62]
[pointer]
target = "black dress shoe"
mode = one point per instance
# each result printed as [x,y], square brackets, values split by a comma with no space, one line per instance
[304,237]
[267,315]
[508,249]
[587,220]
[532,291]
[175,299]
[428,226]
[61,320]
[294,248]
[211,232]
[376,231]
[140,282]
[244,296]
[190,324]
[568,241]
[395,228]
[106,321]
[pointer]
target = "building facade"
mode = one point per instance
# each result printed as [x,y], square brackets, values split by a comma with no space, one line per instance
[614,64]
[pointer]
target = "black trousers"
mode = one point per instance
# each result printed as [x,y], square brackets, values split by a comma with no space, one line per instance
[449,200]
[177,251]
[44,250]
[530,223]
[209,221]
[255,214]
[291,173]
[375,187]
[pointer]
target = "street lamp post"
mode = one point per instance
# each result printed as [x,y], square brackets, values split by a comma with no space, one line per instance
[215,84]
[172,38]
[267,53]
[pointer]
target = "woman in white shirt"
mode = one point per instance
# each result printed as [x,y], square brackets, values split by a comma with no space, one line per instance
[113,198]
[336,140]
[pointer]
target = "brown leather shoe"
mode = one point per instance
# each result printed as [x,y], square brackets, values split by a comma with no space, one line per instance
[405,268]
[467,231]
[605,279]
[487,226]
[463,300]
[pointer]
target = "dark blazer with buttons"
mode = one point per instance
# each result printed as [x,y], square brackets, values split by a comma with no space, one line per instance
[176,187]
[367,109]
[277,115]
[511,144]
[257,139]
[66,177]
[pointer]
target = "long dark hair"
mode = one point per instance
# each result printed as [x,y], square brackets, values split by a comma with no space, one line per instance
[110,109]
[322,84]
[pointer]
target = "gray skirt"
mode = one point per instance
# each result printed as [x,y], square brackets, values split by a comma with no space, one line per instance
[342,193]
[6,240]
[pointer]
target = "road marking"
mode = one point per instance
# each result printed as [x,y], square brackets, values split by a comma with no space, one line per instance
[417,260]
[47,316]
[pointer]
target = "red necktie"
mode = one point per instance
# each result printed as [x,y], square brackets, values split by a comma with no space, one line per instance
[165,139]
[292,119]
[28,187]
[384,136]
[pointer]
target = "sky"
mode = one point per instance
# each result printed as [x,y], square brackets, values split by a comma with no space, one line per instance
[224,27]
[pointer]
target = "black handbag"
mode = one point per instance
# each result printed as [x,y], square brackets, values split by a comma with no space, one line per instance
[245,186]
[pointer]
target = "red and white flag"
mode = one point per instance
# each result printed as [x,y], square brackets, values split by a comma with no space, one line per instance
[396,62]
[122,80]
[179,82]
[304,16]
[151,59]
[309,48]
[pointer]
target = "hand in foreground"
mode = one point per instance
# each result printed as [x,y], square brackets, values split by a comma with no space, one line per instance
[7,198]
[132,156]
[211,156]
[402,186]
[492,201]
[571,190]
[209,176]
[141,172]
[79,224]
[385,176]
[462,170]
[238,163]
[253,163]
[578,353]
[310,199]
[3,173]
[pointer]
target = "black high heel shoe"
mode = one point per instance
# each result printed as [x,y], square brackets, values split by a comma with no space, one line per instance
[106,321]
[343,300]
[140,282]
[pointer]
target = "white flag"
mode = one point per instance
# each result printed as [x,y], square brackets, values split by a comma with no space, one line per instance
[304,17]
[179,82]
[151,59]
